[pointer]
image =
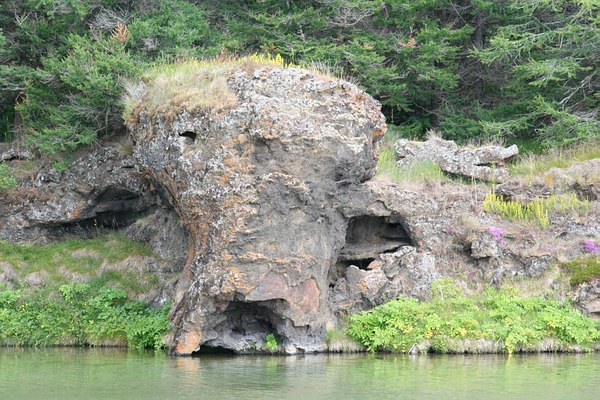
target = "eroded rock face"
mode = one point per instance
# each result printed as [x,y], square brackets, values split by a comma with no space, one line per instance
[485,163]
[257,188]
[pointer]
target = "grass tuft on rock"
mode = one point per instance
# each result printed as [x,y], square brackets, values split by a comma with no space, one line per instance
[497,320]
[583,269]
[193,85]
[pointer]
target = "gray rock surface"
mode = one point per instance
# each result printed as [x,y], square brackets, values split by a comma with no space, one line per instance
[486,163]
[256,188]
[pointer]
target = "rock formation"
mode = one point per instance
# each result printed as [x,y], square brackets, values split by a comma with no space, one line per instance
[256,187]
[288,234]
[486,163]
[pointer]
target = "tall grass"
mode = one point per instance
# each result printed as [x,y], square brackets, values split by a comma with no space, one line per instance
[536,211]
[532,164]
[388,168]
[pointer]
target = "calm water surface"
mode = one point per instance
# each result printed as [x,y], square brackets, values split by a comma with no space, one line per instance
[118,374]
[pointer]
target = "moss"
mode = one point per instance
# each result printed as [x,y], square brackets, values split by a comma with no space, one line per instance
[583,269]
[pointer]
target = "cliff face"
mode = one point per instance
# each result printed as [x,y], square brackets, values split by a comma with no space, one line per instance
[260,204]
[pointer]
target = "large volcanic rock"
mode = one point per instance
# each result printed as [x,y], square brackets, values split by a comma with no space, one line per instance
[255,184]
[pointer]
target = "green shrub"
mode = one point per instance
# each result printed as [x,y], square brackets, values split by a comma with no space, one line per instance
[497,315]
[7,181]
[80,315]
[271,342]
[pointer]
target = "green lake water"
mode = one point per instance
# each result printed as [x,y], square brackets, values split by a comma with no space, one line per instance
[119,374]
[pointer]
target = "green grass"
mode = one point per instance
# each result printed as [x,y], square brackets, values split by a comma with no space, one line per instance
[501,316]
[388,168]
[533,164]
[583,269]
[98,312]
[536,211]
[84,257]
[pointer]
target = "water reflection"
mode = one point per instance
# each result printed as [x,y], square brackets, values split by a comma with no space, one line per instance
[117,374]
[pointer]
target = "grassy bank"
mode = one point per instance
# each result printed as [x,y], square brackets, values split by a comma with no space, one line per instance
[496,321]
[79,293]
[79,315]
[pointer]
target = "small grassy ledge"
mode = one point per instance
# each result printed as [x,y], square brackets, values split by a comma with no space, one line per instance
[495,322]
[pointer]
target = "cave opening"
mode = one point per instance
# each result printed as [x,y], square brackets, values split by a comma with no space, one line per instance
[216,351]
[244,328]
[369,236]
[110,210]
[366,238]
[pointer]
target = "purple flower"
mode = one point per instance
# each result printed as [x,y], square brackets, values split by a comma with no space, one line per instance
[589,246]
[497,234]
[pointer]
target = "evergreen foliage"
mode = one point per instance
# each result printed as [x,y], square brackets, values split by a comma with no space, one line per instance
[512,70]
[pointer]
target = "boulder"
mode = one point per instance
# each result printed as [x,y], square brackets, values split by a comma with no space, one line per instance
[487,163]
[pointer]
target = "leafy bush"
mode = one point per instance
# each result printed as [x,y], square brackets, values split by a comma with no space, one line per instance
[7,181]
[271,342]
[497,315]
[80,315]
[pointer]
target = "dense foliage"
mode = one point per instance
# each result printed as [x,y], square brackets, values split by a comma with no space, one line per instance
[498,315]
[79,315]
[471,68]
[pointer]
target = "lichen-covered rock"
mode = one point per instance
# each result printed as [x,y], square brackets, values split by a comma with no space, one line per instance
[256,187]
[104,189]
[485,163]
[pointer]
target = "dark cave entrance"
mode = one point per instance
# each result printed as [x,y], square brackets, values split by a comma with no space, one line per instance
[245,328]
[369,236]
[366,238]
[110,210]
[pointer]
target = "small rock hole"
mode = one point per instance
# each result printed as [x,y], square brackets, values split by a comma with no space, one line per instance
[189,134]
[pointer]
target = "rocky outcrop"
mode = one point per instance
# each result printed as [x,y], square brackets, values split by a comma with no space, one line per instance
[257,188]
[289,234]
[486,163]
[105,189]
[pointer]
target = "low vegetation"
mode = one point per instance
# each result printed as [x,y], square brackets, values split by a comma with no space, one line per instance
[7,180]
[536,211]
[94,260]
[45,307]
[501,316]
[532,165]
[79,315]
[271,342]
[583,269]
[387,168]
[193,85]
